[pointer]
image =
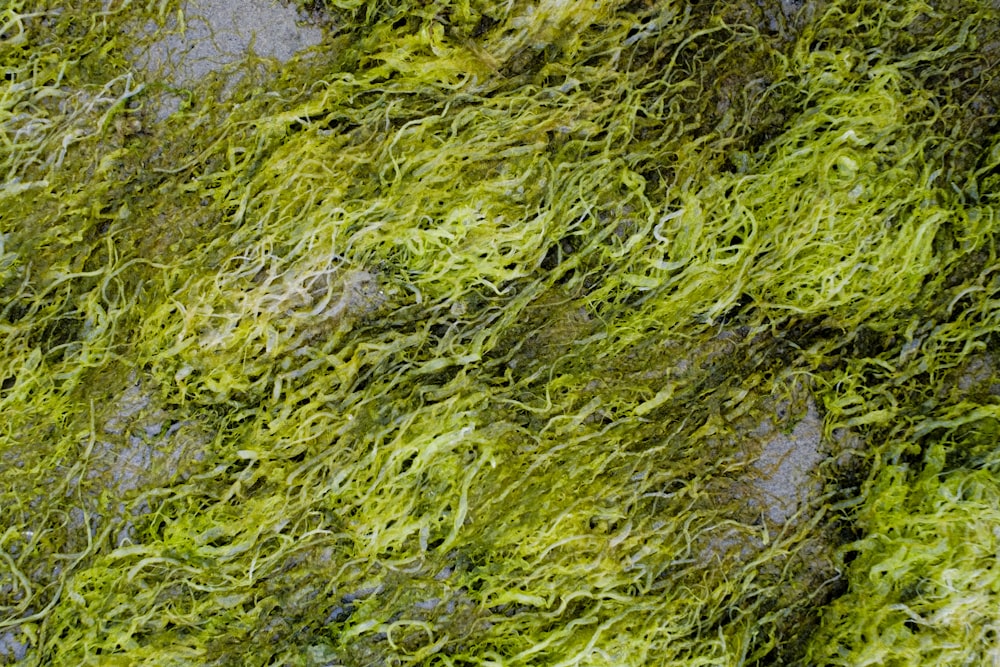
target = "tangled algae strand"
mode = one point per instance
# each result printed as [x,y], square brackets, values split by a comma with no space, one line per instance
[531,333]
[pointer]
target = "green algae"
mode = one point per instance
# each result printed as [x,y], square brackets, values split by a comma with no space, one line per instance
[450,344]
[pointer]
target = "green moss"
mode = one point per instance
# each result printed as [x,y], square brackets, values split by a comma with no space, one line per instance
[460,344]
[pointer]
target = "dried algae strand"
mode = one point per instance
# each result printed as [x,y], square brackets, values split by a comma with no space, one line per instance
[522,334]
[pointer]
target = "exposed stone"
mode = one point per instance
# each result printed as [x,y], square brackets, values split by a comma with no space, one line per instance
[216,36]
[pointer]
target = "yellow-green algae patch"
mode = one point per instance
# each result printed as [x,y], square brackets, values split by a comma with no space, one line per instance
[488,334]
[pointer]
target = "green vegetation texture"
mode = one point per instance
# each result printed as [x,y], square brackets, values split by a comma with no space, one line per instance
[449,343]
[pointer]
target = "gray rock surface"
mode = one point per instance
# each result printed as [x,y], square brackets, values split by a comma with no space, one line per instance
[213,36]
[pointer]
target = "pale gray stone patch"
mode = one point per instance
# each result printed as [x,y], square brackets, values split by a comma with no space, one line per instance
[778,477]
[12,649]
[975,372]
[133,401]
[141,444]
[139,462]
[783,473]
[218,34]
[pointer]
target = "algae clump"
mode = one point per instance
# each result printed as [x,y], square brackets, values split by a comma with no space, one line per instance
[620,333]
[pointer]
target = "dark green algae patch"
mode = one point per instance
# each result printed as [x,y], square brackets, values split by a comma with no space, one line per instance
[462,339]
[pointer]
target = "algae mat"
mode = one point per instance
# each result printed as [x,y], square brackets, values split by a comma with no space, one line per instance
[535,333]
